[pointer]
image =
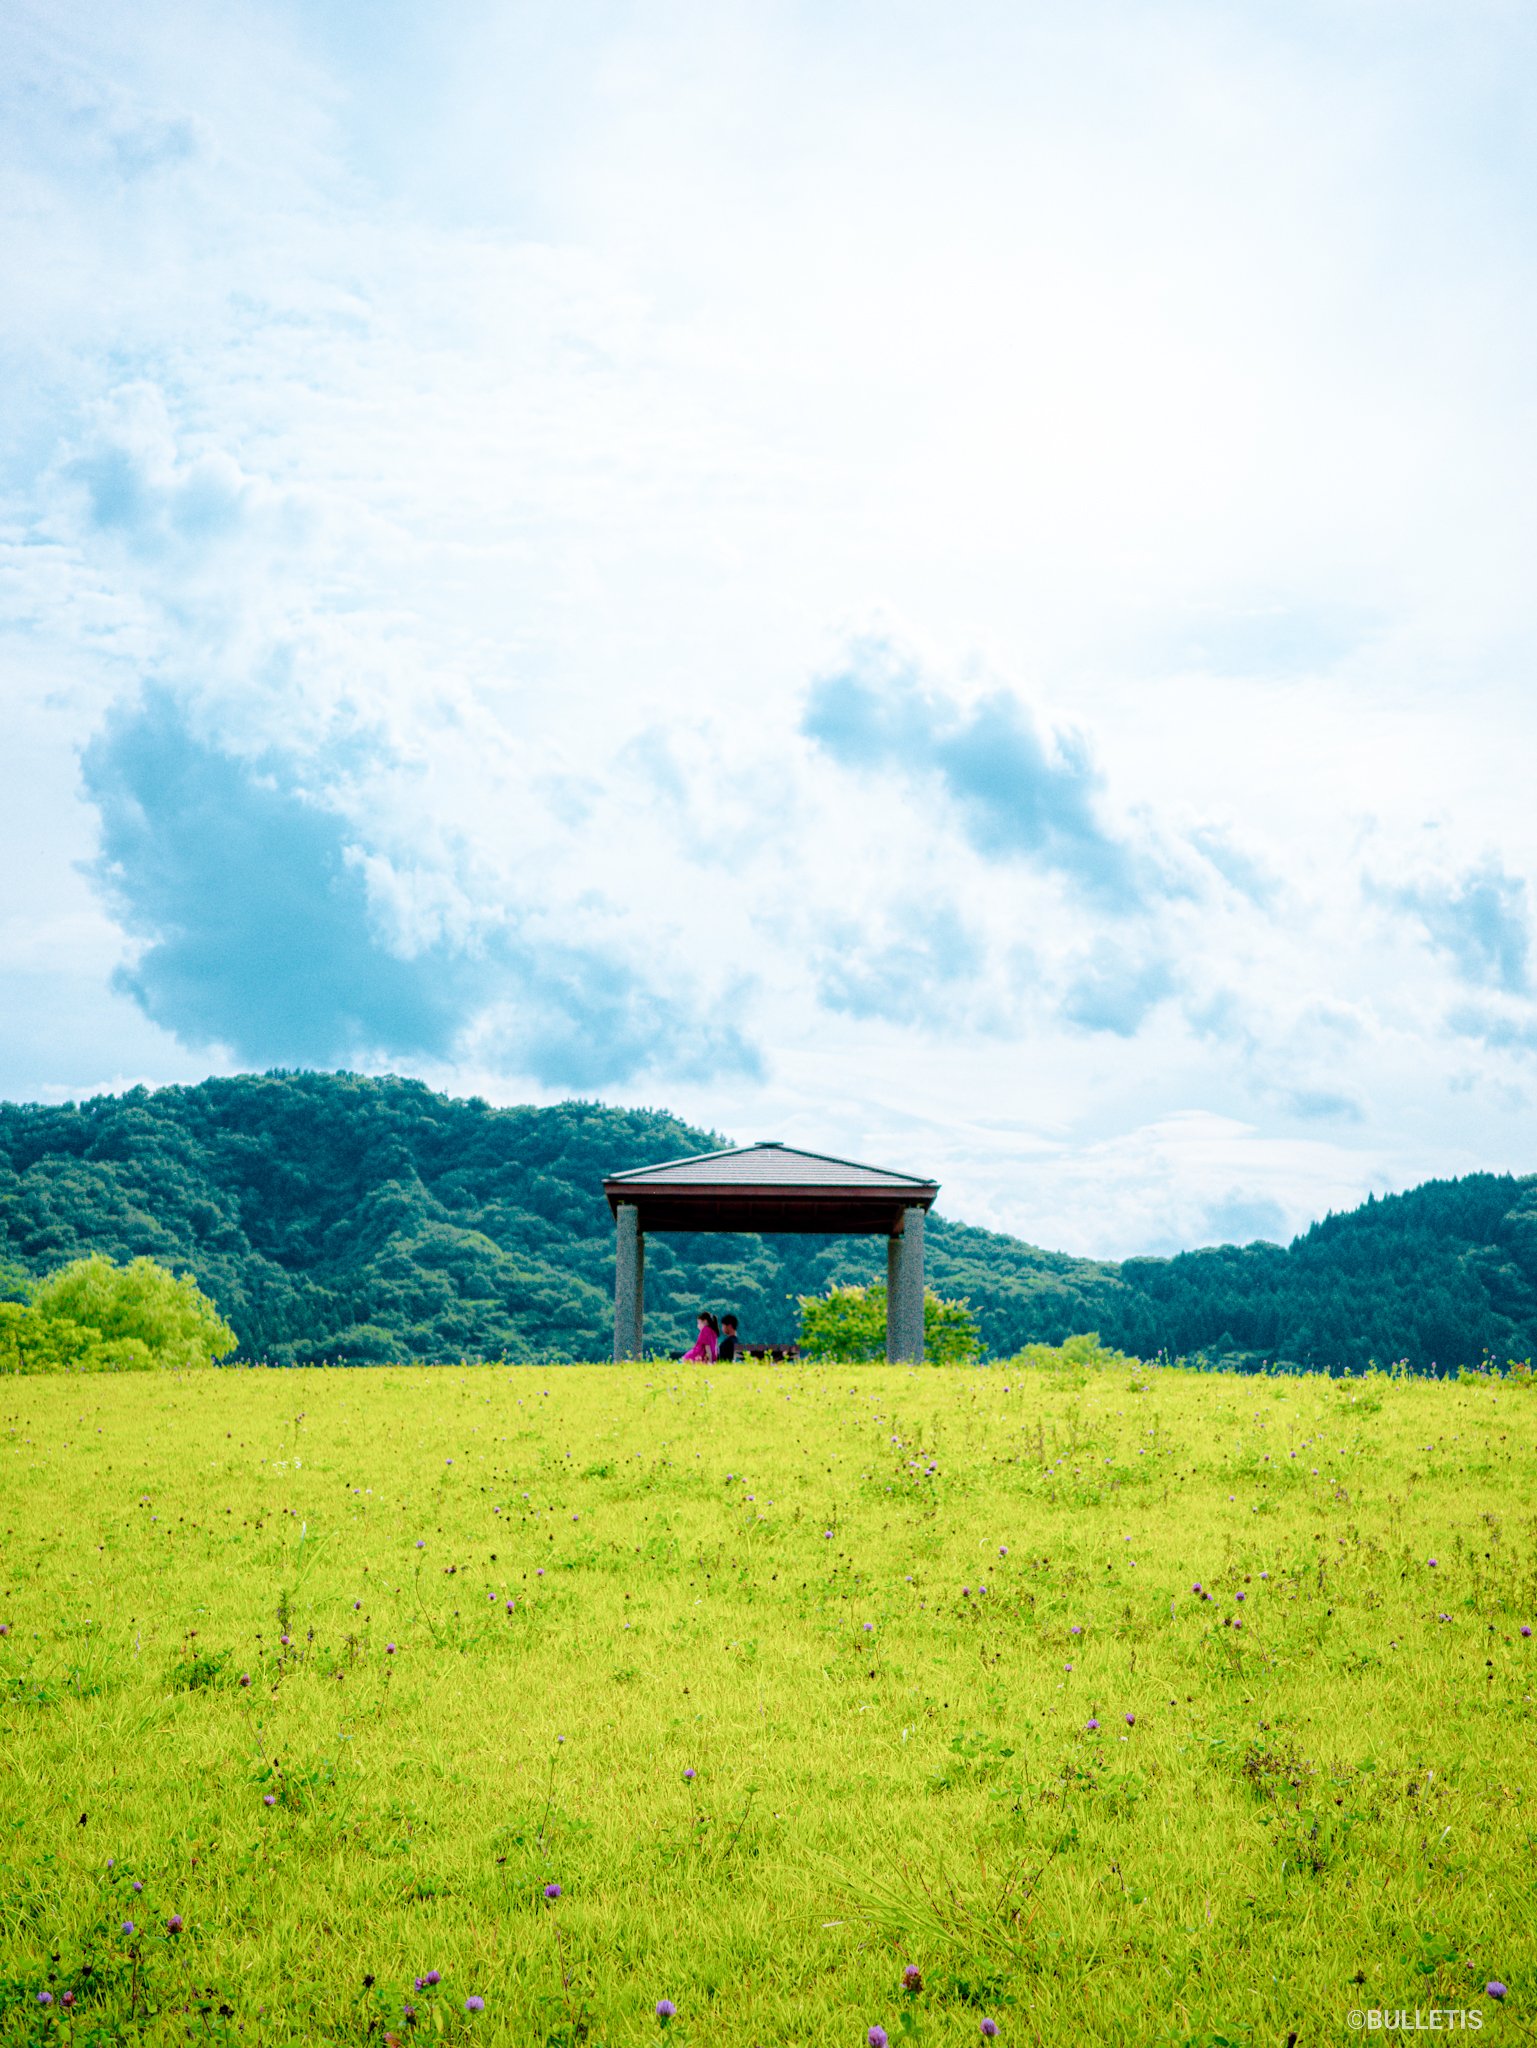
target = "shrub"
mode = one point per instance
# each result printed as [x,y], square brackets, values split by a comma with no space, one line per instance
[92,1316]
[848,1324]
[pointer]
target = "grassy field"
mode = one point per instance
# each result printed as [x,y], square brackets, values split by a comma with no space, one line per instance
[789,1679]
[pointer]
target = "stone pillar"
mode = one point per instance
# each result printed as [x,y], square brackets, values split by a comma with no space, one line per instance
[629,1283]
[904,1291]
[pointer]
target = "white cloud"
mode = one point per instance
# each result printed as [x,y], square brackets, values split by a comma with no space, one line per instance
[503,426]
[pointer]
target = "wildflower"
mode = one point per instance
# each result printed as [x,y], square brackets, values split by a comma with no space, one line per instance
[689,1775]
[876,2037]
[174,1924]
[1431,1562]
[45,1998]
[552,1891]
[434,1977]
[1196,1587]
[474,2003]
[1131,1720]
[869,1625]
[418,1983]
[912,1978]
[510,1605]
[138,1884]
[269,1799]
[286,1641]
[356,1605]
[1003,1550]
[1092,1726]
[67,2000]
[420,1543]
[389,1649]
[1494,1988]
[989,2028]
[245,1678]
[1067,1667]
[1238,1596]
[129,1928]
[1525,1630]
[1075,1630]
[665,2010]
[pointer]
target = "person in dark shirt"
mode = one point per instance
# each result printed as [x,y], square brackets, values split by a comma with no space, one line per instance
[730,1343]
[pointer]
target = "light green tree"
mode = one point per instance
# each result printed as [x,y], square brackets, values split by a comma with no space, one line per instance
[849,1324]
[93,1316]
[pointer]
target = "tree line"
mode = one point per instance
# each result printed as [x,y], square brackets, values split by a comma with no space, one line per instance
[362,1220]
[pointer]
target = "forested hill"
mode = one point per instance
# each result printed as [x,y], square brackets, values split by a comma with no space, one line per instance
[332,1216]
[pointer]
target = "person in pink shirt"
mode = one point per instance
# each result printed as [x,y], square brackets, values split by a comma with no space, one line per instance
[704,1343]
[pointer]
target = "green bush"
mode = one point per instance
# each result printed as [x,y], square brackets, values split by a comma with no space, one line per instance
[848,1324]
[93,1316]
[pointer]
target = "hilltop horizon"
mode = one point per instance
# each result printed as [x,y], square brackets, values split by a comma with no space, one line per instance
[341,1216]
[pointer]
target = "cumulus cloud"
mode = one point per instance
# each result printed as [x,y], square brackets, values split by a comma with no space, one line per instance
[1114,991]
[260,932]
[912,966]
[1017,794]
[1479,922]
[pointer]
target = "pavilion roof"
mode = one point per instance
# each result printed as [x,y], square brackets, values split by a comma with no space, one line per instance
[769,1187]
[768,1164]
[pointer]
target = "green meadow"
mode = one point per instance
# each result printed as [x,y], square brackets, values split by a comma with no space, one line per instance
[791,1679]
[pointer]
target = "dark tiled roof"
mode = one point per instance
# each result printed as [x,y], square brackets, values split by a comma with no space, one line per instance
[765,1166]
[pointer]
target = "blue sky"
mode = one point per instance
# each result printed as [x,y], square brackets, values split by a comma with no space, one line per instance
[945,583]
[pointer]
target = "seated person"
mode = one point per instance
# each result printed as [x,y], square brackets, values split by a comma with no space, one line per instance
[730,1342]
[704,1343]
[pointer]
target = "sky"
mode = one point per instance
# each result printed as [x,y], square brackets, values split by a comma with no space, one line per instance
[946,582]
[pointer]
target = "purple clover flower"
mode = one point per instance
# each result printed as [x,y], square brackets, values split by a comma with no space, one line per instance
[129,1928]
[245,1678]
[665,2009]
[689,1775]
[174,1924]
[912,1978]
[552,1891]
[1131,1720]
[1525,1630]
[989,2028]
[434,1977]
[45,1998]
[474,2003]
[876,2037]
[1092,1726]
[1494,1988]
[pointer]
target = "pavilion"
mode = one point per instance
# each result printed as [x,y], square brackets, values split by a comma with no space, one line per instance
[771,1187]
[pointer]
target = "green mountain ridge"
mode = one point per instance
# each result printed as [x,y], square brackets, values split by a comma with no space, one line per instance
[362,1220]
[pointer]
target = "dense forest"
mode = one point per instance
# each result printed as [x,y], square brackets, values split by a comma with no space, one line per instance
[336,1217]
